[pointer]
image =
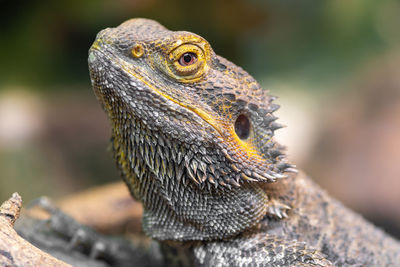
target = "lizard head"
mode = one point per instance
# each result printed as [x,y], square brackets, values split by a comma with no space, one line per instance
[179,110]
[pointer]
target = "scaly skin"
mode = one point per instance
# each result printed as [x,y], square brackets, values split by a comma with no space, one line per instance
[193,139]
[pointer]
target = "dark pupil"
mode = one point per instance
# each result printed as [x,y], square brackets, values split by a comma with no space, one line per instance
[187,58]
[242,127]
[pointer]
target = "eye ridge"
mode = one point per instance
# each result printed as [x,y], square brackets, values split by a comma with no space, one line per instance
[188,59]
[242,127]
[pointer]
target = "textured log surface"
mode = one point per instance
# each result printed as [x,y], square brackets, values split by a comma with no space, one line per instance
[14,250]
[44,236]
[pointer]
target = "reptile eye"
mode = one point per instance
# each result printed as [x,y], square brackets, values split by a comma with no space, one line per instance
[242,127]
[187,62]
[187,59]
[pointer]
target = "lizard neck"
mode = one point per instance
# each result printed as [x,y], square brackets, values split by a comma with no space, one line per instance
[156,169]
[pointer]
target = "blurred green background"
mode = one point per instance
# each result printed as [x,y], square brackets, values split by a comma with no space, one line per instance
[334,65]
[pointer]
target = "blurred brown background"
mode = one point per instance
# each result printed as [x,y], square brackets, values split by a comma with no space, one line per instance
[334,65]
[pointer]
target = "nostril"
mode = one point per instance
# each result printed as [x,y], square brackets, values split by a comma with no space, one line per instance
[137,50]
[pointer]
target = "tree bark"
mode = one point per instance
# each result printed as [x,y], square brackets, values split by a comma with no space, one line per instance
[14,250]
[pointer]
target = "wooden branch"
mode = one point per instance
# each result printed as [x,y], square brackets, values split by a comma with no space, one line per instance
[107,209]
[14,250]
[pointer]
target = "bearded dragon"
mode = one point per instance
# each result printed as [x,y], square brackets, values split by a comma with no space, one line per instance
[193,137]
